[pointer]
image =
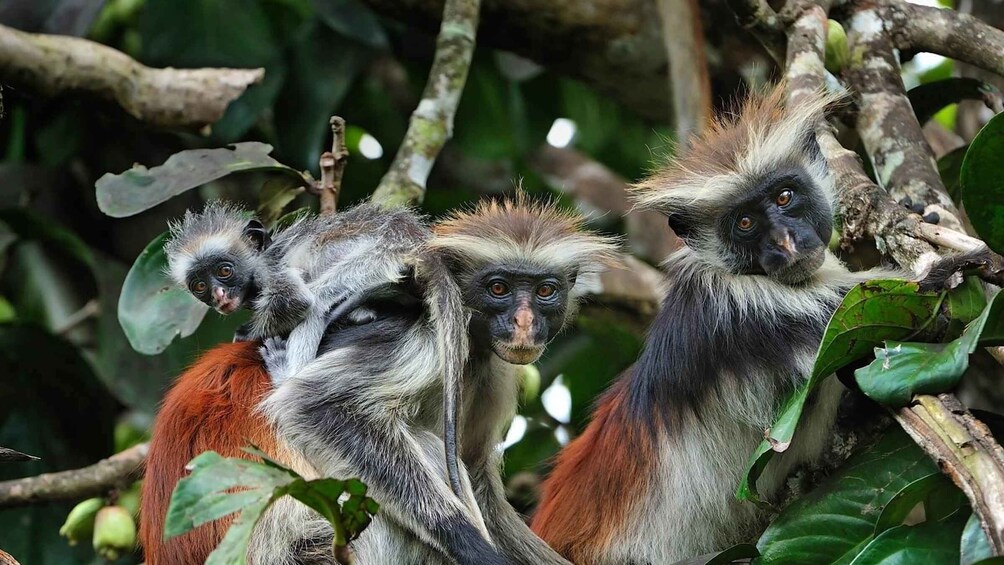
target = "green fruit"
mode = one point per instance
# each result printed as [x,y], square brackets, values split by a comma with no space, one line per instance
[80,521]
[529,379]
[114,532]
[837,53]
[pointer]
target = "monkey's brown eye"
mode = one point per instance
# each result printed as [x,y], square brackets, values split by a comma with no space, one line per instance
[546,290]
[498,288]
[784,198]
[198,287]
[224,271]
[745,223]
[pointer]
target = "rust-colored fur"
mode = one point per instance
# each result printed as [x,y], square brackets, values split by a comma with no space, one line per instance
[587,499]
[211,407]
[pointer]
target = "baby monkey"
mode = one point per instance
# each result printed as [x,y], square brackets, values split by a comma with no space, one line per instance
[227,260]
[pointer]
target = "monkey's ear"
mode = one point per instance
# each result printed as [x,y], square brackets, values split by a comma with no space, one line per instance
[811,145]
[258,235]
[680,225]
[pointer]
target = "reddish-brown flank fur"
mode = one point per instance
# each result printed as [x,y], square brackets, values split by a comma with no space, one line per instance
[586,499]
[211,407]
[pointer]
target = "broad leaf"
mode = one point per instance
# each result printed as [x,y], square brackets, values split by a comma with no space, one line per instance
[838,518]
[275,195]
[152,309]
[928,542]
[354,19]
[218,487]
[974,546]
[982,190]
[140,188]
[871,313]
[929,98]
[901,370]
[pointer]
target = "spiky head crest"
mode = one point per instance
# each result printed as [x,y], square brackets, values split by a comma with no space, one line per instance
[218,228]
[518,230]
[733,155]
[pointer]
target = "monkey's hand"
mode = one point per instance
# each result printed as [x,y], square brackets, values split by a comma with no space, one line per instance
[273,353]
[988,265]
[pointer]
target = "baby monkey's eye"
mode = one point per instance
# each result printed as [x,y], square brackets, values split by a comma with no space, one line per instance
[745,223]
[546,290]
[784,198]
[198,287]
[498,288]
[225,270]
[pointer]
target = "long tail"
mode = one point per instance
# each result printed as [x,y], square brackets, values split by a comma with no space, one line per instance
[450,319]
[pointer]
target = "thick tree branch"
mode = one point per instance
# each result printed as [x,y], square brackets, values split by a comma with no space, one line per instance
[903,161]
[182,98]
[689,82]
[966,451]
[118,470]
[945,32]
[432,122]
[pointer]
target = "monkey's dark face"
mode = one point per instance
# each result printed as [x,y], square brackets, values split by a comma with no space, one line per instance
[221,282]
[780,230]
[517,310]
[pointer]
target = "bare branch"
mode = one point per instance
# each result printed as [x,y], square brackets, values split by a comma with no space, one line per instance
[903,161]
[432,122]
[945,32]
[185,98]
[689,82]
[116,471]
[965,450]
[333,167]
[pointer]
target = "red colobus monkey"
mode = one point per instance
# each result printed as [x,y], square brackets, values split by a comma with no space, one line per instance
[368,405]
[652,479]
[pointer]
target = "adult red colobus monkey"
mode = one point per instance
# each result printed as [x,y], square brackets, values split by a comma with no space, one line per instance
[368,405]
[651,480]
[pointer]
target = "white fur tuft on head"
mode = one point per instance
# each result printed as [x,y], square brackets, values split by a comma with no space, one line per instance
[519,231]
[218,228]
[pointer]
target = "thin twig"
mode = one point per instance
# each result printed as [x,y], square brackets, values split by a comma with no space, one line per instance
[333,167]
[97,479]
[12,455]
[185,98]
[431,123]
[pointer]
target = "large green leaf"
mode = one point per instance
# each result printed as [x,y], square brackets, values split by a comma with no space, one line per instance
[901,370]
[836,520]
[354,19]
[928,542]
[982,189]
[929,98]
[974,546]
[152,309]
[139,188]
[871,313]
[219,486]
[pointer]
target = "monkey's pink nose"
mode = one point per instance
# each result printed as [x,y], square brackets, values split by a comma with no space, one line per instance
[219,294]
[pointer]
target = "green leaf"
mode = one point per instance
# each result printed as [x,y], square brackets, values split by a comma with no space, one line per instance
[218,487]
[140,189]
[908,497]
[275,195]
[982,190]
[929,98]
[901,370]
[928,542]
[834,521]
[950,168]
[354,19]
[152,309]
[974,546]
[869,314]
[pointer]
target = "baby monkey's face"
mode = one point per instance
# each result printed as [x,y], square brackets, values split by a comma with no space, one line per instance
[220,282]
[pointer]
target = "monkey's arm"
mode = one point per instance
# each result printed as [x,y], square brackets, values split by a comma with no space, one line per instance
[282,302]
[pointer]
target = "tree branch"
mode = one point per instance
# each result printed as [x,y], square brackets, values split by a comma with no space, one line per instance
[432,122]
[118,470]
[762,21]
[170,98]
[945,32]
[689,83]
[333,167]
[903,161]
